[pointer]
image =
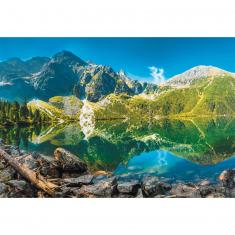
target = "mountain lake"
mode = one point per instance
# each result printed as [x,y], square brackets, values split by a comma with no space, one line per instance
[186,150]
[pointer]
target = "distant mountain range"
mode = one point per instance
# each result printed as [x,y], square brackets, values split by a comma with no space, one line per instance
[63,74]
[202,90]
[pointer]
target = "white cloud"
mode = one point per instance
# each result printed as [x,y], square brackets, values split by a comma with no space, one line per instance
[157,74]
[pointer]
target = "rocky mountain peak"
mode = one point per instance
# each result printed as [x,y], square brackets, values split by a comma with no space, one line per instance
[67,58]
[122,73]
[195,73]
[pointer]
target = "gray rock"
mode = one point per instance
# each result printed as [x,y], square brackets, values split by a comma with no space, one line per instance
[232,193]
[139,193]
[69,162]
[130,187]
[227,178]
[18,184]
[7,174]
[151,186]
[206,190]
[3,190]
[205,183]
[104,188]
[2,165]
[29,161]
[82,180]
[20,188]
[124,195]
[185,191]
[216,195]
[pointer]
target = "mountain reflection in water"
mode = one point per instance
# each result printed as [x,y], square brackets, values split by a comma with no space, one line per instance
[187,150]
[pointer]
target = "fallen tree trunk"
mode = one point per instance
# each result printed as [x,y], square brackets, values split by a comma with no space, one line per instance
[35,178]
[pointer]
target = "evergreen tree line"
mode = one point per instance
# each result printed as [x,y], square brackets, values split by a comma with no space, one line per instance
[15,113]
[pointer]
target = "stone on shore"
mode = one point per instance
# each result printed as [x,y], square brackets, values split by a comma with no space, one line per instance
[20,188]
[227,177]
[139,193]
[69,162]
[152,186]
[7,174]
[104,189]
[130,187]
[185,191]
[3,190]
[79,181]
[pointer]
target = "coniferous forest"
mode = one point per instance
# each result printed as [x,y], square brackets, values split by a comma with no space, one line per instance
[19,114]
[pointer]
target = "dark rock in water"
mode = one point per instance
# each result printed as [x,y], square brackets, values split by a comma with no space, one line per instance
[103,188]
[227,178]
[7,174]
[129,187]
[185,190]
[69,162]
[151,186]
[82,180]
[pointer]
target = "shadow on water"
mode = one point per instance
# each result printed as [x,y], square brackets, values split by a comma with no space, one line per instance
[187,150]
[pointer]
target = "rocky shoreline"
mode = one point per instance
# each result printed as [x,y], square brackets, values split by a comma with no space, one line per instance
[72,178]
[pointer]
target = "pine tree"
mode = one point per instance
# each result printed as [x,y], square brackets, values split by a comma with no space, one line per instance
[24,112]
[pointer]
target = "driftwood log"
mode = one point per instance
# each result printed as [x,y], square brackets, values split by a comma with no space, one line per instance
[33,177]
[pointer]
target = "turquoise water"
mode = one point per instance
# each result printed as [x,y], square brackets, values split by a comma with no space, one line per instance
[165,164]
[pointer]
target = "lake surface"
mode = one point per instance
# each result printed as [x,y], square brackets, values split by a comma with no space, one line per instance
[182,150]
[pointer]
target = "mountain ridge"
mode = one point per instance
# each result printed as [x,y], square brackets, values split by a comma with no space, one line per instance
[59,75]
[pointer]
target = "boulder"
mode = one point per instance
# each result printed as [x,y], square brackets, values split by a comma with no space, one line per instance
[232,193]
[20,188]
[152,186]
[227,177]
[7,174]
[68,162]
[79,181]
[139,193]
[105,189]
[130,187]
[30,161]
[3,190]
[204,183]
[12,150]
[41,164]
[185,191]
[206,190]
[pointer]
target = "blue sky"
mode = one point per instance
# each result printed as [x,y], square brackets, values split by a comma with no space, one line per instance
[141,58]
